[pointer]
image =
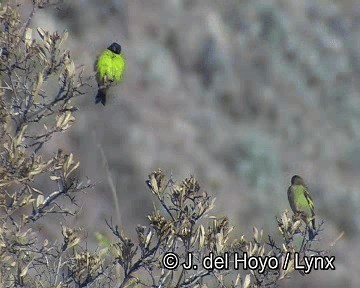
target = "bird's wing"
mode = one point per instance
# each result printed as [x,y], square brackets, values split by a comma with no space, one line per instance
[118,67]
[311,205]
[104,68]
[290,195]
[309,200]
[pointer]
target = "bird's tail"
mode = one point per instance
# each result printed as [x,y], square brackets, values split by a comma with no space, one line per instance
[312,229]
[101,96]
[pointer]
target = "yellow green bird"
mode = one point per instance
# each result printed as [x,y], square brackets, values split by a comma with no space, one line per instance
[110,67]
[302,204]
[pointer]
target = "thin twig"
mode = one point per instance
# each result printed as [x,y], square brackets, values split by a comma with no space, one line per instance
[109,178]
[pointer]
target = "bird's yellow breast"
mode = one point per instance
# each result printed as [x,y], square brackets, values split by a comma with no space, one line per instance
[110,66]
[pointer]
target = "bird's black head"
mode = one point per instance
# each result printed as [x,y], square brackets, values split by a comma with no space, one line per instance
[115,47]
[297,180]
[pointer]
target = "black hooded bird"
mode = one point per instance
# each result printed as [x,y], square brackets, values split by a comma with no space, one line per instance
[110,67]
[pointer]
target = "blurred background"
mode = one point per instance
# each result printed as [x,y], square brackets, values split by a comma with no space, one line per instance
[241,94]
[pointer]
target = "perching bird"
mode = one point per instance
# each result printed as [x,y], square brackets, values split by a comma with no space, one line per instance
[110,67]
[301,203]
